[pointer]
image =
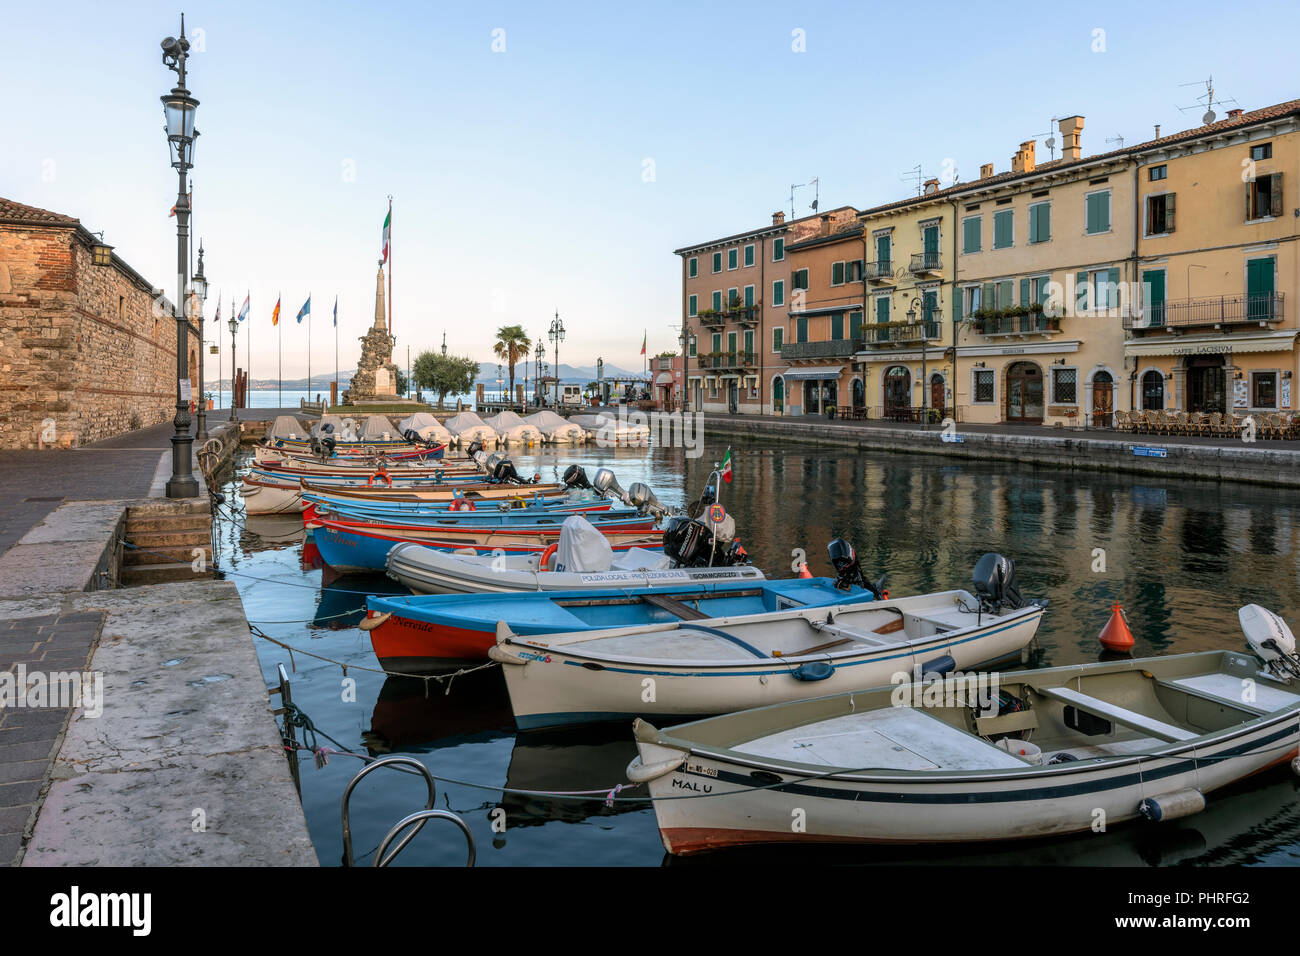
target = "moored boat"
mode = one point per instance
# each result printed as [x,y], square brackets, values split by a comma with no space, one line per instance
[1014,756]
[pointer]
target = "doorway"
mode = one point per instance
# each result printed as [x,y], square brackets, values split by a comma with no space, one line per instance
[1025,394]
[1103,400]
[898,392]
[938,400]
[778,396]
[1207,390]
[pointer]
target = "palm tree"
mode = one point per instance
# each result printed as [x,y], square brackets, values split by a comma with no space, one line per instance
[511,345]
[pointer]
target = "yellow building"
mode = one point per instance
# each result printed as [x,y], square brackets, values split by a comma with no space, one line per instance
[1218,225]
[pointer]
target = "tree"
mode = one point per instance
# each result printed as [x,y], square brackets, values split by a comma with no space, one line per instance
[442,374]
[511,346]
[401,382]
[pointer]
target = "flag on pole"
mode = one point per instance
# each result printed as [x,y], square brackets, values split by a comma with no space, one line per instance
[387,223]
[336,312]
[243,312]
[305,310]
[643,341]
[218,312]
[275,316]
[726,466]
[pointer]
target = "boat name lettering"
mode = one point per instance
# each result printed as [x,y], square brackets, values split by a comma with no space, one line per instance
[540,658]
[689,785]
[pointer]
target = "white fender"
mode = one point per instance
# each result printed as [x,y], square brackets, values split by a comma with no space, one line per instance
[370,623]
[638,772]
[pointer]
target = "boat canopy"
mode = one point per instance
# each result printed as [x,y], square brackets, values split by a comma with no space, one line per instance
[287,426]
[581,547]
[378,428]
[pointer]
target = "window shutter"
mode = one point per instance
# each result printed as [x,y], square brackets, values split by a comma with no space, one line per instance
[837,273]
[957,296]
[749,296]
[1081,291]
[1169,213]
[1250,188]
[1275,194]
[1112,290]
[1024,291]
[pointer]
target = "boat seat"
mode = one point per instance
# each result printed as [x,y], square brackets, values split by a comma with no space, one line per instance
[675,607]
[1116,714]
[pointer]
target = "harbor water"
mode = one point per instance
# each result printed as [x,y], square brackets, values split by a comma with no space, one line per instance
[1180,556]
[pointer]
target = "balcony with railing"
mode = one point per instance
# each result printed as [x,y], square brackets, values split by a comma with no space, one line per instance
[832,349]
[925,263]
[881,272]
[1016,321]
[888,334]
[727,361]
[1253,308]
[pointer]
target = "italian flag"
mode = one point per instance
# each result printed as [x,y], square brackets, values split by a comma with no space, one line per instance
[726,467]
[387,224]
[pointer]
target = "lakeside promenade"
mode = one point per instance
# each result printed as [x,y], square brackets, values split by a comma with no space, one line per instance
[174,758]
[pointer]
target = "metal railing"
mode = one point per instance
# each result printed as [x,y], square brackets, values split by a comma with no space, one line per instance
[882,271]
[1248,309]
[883,334]
[727,360]
[835,348]
[925,262]
[383,856]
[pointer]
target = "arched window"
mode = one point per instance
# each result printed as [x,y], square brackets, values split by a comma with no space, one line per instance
[1153,391]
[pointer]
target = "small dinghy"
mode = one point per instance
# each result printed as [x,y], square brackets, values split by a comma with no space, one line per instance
[582,558]
[513,430]
[1006,756]
[735,662]
[556,429]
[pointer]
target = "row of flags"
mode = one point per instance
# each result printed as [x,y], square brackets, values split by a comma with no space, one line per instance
[303,313]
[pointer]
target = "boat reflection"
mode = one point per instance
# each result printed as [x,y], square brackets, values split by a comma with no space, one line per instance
[412,715]
[343,600]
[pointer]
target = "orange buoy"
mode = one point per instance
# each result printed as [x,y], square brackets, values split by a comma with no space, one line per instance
[1116,636]
[803,570]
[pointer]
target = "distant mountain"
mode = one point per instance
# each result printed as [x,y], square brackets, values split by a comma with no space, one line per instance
[579,374]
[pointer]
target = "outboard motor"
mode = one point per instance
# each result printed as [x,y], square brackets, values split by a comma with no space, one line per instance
[844,559]
[606,483]
[504,470]
[1271,639]
[575,476]
[494,459]
[686,542]
[994,581]
[474,448]
[643,499]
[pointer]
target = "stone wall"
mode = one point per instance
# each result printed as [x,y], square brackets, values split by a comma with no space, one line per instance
[79,344]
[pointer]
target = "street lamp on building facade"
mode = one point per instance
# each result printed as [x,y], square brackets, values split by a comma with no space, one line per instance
[556,335]
[179,108]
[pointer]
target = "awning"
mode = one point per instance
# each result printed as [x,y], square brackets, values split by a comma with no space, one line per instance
[1280,341]
[813,374]
[664,378]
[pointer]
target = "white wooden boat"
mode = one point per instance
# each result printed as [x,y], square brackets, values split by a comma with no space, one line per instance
[608,431]
[426,426]
[719,665]
[1065,750]
[428,571]
[468,427]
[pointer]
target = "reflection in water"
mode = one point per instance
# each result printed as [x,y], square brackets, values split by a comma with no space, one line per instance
[1180,556]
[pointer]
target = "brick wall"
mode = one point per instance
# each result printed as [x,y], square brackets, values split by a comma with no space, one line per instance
[79,343]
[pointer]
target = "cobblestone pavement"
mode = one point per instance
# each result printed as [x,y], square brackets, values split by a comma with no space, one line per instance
[30,730]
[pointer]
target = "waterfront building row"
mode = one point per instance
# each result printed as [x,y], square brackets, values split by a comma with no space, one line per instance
[1161,275]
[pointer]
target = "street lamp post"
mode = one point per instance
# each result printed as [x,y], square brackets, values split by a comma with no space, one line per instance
[556,335]
[540,354]
[200,285]
[179,108]
[925,374]
[234,327]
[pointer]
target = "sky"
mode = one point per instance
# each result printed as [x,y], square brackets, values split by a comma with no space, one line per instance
[551,157]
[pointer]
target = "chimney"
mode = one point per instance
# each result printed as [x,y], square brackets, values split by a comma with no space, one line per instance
[1233,114]
[1157,130]
[986,171]
[1023,161]
[1071,127]
[931,186]
[778,218]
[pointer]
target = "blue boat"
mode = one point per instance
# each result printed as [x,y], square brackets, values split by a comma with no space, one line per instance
[435,631]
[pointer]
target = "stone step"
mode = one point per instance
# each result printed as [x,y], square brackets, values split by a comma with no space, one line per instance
[169,506]
[180,522]
[134,557]
[155,539]
[159,573]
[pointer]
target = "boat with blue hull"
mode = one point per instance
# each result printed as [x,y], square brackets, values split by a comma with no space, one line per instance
[431,632]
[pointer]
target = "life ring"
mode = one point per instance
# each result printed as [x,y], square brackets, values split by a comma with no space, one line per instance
[546,555]
[462,504]
[379,474]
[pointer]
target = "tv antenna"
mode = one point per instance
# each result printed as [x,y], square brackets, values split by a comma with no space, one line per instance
[1117,139]
[1207,100]
[914,176]
[815,182]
